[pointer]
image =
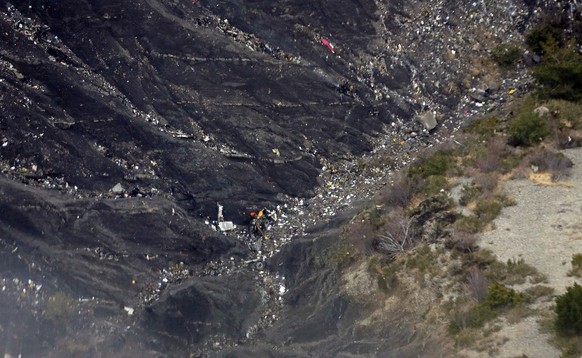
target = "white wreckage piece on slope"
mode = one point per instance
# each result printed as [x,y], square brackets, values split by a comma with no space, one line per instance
[224,225]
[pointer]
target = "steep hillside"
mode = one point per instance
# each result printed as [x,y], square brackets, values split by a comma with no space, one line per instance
[125,125]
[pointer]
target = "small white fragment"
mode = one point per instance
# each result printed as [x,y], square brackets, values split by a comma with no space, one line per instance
[129,310]
[226,225]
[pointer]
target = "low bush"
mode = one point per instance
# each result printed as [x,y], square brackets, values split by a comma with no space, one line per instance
[569,311]
[462,241]
[470,316]
[400,193]
[497,299]
[527,129]
[486,181]
[423,259]
[469,193]
[489,162]
[470,224]
[481,259]
[398,235]
[484,127]
[343,254]
[560,74]
[548,161]
[576,265]
[434,184]
[568,113]
[506,55]
[487,209]
[437,164]
[513,272]
[358,234]
[539,36]
[499,296]
[539,291]
[477,284]
[386,273]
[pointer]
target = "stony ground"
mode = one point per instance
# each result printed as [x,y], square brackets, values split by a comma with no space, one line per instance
[544,229]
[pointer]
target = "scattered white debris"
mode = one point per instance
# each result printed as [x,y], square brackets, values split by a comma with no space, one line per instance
[226,226]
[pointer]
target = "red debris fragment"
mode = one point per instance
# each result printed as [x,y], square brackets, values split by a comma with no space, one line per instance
[328,44]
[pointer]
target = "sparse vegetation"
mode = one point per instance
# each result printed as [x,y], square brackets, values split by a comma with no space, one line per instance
[497,299]
[486,210]
[400,193]
[399,235]
[437,164]
[385,272]
[469,193]
[484,127]
[539,291]
[549,161]
[576,265]
[462,241]
[492,150]
[506,55]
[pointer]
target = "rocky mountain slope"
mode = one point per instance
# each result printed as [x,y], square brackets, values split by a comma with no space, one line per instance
[124,123]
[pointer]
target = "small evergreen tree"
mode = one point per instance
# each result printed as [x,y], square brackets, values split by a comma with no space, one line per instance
[527,129]
[539,36]
[569,310]
[560,73]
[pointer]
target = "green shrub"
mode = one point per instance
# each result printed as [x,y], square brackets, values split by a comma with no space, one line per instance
[499,296]
[497,299]
[437,164]
[560,73]
[539,291]
[484,127]
[506,55]
[576,265]
[488,209]
[434,183]
[344,253]
[474,317]
[542,34]
[469,193]
[480,259]
[513,272]
[423,259]
[470,224]
[569,310]
[527,129]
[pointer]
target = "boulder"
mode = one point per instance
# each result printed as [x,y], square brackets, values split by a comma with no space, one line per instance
[428,120]
[542,111]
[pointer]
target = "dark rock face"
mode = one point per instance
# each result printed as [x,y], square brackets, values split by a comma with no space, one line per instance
[128,84]
[123,123]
